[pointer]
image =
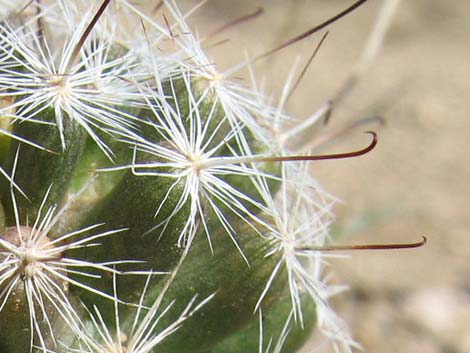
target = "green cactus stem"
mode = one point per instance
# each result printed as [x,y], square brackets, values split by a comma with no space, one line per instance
[37,170]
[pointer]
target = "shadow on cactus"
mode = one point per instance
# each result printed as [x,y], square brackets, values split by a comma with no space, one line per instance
[150,203]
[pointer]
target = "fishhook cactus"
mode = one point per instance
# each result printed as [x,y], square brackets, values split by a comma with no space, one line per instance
[149,202]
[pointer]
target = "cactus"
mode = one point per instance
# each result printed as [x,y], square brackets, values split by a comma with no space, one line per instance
[149,203]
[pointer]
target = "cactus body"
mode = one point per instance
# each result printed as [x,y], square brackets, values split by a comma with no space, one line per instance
[141,210]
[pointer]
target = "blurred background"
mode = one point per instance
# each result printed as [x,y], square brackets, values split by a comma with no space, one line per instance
[416,182]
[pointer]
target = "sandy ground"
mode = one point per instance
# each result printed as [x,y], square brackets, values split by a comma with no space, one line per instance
[416,182]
